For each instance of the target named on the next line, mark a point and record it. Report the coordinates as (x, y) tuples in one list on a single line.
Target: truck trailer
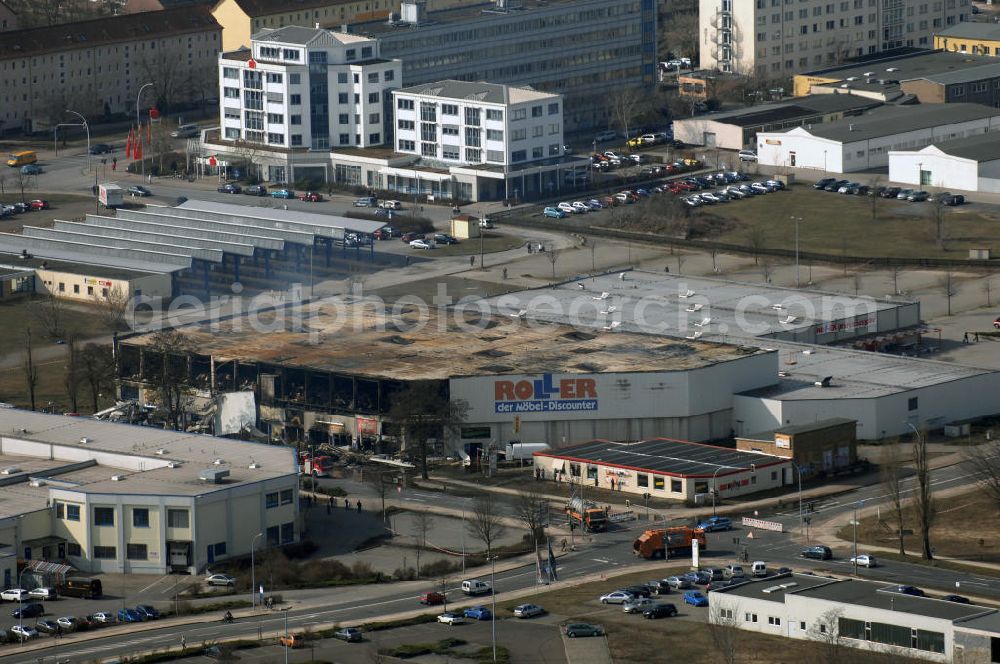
[(650, 545)]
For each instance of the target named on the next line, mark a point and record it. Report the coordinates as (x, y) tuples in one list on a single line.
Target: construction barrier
[(618, 517), (763, 525)]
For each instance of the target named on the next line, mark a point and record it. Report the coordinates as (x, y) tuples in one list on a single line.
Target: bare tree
[(986, 289), (382, 481), (891, 471), (422, 524), (923, 498), (983, 463), (97, 368), (896, 269), (757, 239), (531, 508), (553, 256), (949, 287), (169, 379), (826, 632), (486, 525), (766, 267), (938, 218), (73, 377), (423, 411), (876, 199), (625, 104), (114, 308), (50, 313), (724, 630), (680, 35), (29, 366)]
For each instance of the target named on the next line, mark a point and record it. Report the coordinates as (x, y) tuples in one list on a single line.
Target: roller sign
[(545, 395)]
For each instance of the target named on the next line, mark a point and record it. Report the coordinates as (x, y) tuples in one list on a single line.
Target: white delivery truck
[(110, 195)]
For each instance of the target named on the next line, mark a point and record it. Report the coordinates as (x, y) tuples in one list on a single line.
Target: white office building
[(774, 39), (303, 90), (478, 123)]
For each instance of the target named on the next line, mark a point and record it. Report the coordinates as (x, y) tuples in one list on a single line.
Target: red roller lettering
[(524, 390), (586, 388), (567, 388), (504, 390)]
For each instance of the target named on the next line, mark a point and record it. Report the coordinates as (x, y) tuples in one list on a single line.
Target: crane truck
[(650, 544), (590, 516)]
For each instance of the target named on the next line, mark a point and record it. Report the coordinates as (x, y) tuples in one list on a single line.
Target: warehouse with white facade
[(859, 614), (105, 497), (864, 142), (965, 164)]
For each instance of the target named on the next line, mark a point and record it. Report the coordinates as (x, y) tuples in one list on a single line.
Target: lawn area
[(958, 531), (50, 388), (840, 224), (686, 638), (492, 242), (18, 314)]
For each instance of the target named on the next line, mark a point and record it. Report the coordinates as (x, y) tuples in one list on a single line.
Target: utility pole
[(797, 220)]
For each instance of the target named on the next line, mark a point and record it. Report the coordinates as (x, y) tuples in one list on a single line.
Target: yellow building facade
[(974, 38)]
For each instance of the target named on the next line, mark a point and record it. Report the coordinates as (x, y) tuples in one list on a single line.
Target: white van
[(476, 587), (185, 131), (758, 569)]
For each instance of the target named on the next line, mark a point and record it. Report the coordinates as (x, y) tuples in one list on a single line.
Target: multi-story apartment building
[(773, 39), (584, 50), (98, 67), (8, 19), (478, 123), (300, 89)]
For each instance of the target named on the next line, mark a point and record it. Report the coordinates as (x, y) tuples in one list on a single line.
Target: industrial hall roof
[(665, 456), (353, 335), (980, 148), (893, 120), (106, 30)]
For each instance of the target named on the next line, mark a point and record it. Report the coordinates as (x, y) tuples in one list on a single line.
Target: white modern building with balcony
[(299, 93)]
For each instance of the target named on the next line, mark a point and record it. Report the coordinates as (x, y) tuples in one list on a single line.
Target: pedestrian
[(666, 269), (975, 337), (330, 502), (59, 632), (965, 338), (149, 179), (472, 261), (183, 642), (407, 260), (359, 506), (347, 503), (505, 278), (529, 247)]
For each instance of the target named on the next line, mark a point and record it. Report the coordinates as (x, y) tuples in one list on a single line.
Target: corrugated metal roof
[(892, 120)]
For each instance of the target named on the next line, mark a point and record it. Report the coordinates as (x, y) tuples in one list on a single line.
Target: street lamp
[(796, 220), (20, 604), (253, 572), (715, 488), (138, 96), (464, 501), (799, 471), (493, 621), (855, 522), (87, 128)]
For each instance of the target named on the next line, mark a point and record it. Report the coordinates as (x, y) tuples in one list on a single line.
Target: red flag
[(137, 151), (149, 133), (128, 144)]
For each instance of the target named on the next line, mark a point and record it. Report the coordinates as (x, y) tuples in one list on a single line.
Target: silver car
[(678, 582), (616, 597), (637, 605), (528, 611)]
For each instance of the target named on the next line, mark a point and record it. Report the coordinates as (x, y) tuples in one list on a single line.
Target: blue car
[(283, 193), (31, 169), (478, 613), (909, 590), (553, 212), (699, 577), (695, 598), (714, 523), (129, 616), (147, 612)]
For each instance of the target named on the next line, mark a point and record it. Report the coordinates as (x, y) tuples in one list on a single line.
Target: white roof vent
[(824, 382), (254, 465), (174, 464), (161, 451), (869, 73), (892, 69), (851, 78), (117, 478), (36, 483), (218, 462), (213, 475), (12, 470), (85, 440)]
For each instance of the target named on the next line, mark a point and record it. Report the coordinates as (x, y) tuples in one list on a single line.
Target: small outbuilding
[(816, 448), (966, 164), (665, 468)]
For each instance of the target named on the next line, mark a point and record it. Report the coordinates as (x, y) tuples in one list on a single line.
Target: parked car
[(904, 194), (431, 598), (256, 190), (938, 196), (407, 238), (774, 185), (717, 573), (451, 618), (43, 593), (918, 196), (574, 630), (734, 572), (890, 192), (100, 148), (444, 238), (21, 207), (864, 560), (220, 580), (660, 610), (637, 605), (283, 193), (567, 208), (616, 597), (148, 612), (817, 553), (554, 213), (47, 626), (678, 582), (385, 233), (695, 598), (24, 632), (658, 587), (31, 169), (367, 201), (104, 617), (846, 187), (70, 623), (14, 595), (230, 188), (747, 155), (581, 207), (699, 577), (835, 185), (958, 599), (129, 616), (637, 590), (716, 523), (528, 611), (478, 613), (32, 610), (956, 199), (823, 183), (311, 197), (420, 243), (349, 634), (908, 590), (760, 188), (595, 204)]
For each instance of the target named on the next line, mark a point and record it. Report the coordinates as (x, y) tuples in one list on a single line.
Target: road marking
[(146, 589), (415, 500)]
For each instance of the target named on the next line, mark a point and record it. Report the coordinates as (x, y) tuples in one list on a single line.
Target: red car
[(432, 598), (410, 237), (311, 197), (39, 204), (385, 233)]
